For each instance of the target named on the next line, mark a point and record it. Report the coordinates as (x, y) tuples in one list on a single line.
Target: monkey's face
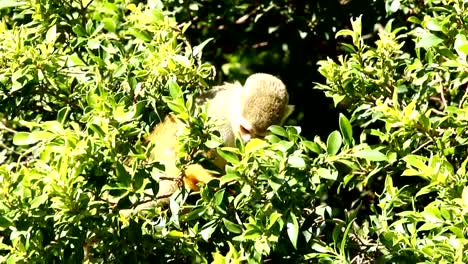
[(263, 102), (247, 131), (247, 111)]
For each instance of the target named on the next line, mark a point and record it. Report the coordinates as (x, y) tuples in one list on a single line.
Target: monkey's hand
[(194, 174)]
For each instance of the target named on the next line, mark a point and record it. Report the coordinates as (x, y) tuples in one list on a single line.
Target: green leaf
[(273, 219), (5, 222), (356, 24), (232, 227), (22, 138), (345, 235), (284, 145), (62, 114), (337, 98), (293, 229), (346, 130), (389, 186), (122, 115), (10, 3), (409, 111), (394, 6), (141, 35), (175, 234), (121, 69), (321, 248), (255, 144), (228, 156), (94, 44), (433, 24), (197, 50), (219, 197), (312, 146), (109, 24), (414, 20), (327, 174), (344, 32), (252, 234), (461, 46), (465, 196), (370, 154), (212, 143), (230, 176), (16, 86), (176, 107), (416, 161), (79, 30), (278, 130), (296, 162), (74, 60), (334, 143), (53, 126), (38, 201), (182, 60), (428, 40), (195, 214), (51, 34), (174, 89)]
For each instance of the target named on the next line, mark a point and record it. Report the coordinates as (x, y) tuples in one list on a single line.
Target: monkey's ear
[(287, 112)]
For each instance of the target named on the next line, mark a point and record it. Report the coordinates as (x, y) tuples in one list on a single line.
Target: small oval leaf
[(232, 227), (334, 142), (346, 129), (370, 154), (293, 229), (296, 162), (312, 146), (228, 156), (23, 138), (278, 130)]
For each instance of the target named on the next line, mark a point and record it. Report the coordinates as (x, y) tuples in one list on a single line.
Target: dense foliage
[(285, 38), (83, 82)]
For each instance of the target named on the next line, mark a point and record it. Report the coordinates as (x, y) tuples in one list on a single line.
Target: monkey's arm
[(194, 174), (165, 136)]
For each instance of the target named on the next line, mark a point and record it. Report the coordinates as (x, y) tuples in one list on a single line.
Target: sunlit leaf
[(428, 40), (292, 229), (370, 154), (334, 143), (346, 130)]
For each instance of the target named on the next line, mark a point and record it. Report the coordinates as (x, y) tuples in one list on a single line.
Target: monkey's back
[(223, 109)]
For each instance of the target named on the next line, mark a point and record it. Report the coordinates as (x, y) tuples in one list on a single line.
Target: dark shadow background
[(283, 38)]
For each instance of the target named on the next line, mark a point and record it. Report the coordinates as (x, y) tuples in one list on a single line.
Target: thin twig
[(2, 126), (422, 146), (460, 105)]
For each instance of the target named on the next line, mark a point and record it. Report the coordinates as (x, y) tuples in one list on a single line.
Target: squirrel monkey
[(246, 111)]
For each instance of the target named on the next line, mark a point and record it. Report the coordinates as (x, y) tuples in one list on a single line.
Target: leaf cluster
[(407, 93)]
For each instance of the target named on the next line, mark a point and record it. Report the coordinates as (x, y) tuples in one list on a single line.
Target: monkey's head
[(263, 102)]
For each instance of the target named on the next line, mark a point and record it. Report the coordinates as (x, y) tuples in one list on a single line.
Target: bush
[(412, 105), (83, 83)]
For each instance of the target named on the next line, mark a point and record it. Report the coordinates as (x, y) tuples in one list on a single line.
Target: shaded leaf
[(232, 227)]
